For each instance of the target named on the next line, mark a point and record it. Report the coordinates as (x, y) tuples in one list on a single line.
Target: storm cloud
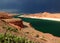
[(30, 5)]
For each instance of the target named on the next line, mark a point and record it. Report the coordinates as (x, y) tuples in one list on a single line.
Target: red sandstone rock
[(16, 22)]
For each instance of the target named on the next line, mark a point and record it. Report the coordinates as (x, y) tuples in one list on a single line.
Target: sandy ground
[(32, 34)]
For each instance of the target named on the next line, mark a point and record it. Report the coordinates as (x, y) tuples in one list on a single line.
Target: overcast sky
[(31, 5)]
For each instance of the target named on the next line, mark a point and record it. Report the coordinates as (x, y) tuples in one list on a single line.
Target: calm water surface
[(46, 26)]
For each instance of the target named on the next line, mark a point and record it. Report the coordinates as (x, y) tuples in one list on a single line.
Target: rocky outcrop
[(8, 18), (16, 22)]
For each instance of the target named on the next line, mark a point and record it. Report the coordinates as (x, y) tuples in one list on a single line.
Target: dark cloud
[(31, 5)]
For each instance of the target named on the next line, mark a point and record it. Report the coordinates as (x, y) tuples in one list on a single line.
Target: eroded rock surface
[(16, 22)]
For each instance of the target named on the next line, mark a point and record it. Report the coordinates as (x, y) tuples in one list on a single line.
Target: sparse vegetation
[(9, 38), (12, 29)]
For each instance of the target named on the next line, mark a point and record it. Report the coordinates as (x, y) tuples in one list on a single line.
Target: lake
[(46, 26)]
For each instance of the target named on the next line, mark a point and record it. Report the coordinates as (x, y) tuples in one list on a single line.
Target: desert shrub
[(9, 38)]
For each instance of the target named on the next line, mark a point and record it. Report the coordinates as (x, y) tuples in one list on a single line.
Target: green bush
[(9, 38)]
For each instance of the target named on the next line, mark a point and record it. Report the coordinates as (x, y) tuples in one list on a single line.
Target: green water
[(46, 26)]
